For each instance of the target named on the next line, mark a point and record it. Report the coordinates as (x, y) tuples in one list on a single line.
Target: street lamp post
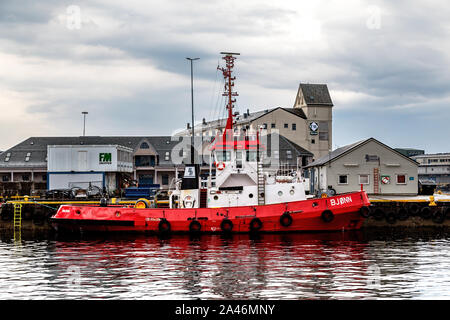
[(84, 113), (192, 105)]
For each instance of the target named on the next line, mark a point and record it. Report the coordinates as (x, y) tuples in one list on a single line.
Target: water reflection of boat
[(237, 266)]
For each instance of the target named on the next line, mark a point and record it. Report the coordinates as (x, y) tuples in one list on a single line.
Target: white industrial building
[(380, 170), (71, 166)]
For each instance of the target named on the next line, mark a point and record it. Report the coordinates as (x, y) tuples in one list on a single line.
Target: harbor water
[(382, 264)]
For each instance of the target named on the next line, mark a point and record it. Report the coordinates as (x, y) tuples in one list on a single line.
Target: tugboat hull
[(338, 213)]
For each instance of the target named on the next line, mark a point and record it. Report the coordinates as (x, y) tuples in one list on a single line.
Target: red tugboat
[(244, 198)]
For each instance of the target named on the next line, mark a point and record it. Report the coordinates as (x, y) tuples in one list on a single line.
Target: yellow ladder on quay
[(17, 216)]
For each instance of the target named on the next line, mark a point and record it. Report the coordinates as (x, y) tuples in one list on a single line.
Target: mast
[(229, 58)]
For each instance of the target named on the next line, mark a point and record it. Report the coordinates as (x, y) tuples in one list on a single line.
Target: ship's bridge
[(236, 160)]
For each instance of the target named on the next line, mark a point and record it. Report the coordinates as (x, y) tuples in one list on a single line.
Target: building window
[(27, 158), (286, 125), (144, 145), (294, 126), (167, 156), (8, 155), (264, 125), (25, 177), (165, 179), (144, 161), (401, 179), (272, 125), (313, 141), (44, 177), (288, 154), (363, 179), (5, 178), (323, 130), (343, 179)]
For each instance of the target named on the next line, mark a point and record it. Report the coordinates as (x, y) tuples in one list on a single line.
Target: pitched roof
[(316, 94), (348, 148)]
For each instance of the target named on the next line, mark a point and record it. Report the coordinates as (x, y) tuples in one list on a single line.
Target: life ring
[(439, 216), (391, 217), (189, 201), (164, 226), (364, 211), (402, 214), (195, 226), (426, 213), (226, 225), (378, 214), (220, 165), (327, 216), (255, 224), (286, 220)]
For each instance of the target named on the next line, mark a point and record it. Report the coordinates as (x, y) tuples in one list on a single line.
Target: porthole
[(292, 192), (250, 195), (216, 197), (280, 193)]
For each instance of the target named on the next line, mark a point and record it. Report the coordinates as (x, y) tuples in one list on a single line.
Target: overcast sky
[(386, 64)]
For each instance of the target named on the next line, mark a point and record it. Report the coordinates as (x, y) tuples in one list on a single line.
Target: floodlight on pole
[(84, 113)]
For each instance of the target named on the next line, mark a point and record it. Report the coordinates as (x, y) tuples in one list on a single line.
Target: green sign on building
[(105, 158)]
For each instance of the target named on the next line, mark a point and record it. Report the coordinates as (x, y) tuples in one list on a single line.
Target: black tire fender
[(286, 220), (364, 211), (256, 224), (391, 217), (327, 216), (226, 225), (164, 226), (426, 213), (195, 226), (438, 216), (402, 214)]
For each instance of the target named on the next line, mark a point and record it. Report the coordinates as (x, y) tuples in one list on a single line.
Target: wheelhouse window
[(286, 125), (272, 125), (223, 156), (239, 159), (343, 179), (364, 179), (401, 179), (251, 156)]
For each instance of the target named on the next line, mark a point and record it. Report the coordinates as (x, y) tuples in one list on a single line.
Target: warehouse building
[(87, 166), (380, 169), (435, 167)]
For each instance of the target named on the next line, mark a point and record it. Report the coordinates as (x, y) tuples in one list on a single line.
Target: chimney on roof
[(188, 125), (248, 112), (204, 121)]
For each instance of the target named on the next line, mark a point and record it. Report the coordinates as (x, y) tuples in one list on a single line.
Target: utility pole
[(84, 113), (192, 105)]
